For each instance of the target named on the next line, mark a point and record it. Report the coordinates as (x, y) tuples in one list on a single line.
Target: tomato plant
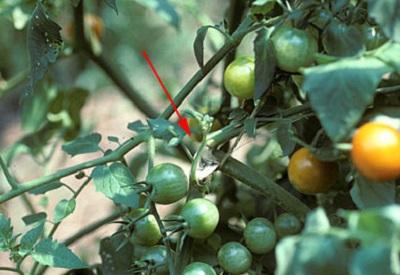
[(199, 137)]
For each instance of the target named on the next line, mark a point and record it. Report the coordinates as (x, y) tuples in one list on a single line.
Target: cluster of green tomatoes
[(198, 219)]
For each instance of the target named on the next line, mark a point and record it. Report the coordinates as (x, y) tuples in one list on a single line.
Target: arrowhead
[(183, 123)]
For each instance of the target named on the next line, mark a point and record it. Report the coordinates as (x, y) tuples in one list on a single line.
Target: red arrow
[(182, 121)]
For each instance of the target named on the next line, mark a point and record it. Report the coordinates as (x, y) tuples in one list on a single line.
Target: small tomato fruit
[(198, 268), (294, 48), (376, 151), (234, 258), (310, 175), (259, 236), (239, 77), (201, 218), (168, 183)]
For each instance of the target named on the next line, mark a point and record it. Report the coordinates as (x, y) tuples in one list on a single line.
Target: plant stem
[(42, 268), (114, 156), (170, 258), (243, 29), (113, 73), (264, 185), (10, 179), (11, 269), (93, 227)]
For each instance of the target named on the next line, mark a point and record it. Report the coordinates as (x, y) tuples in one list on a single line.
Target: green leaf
[(198, 44), (389, 53), (387, 15), (372, 260), (6, 233), (340, 39), (116, 254), (63, 209), (164, 9), (374, 225), (83, 145), (317, 221), (40, 190), (284, 135), (312, 254), (51, 253), (164, 129), (34, 108), (112, 4), (30, 238), (367, 194), (340, 92), (44, 44), (250, 126), (137, 126), (113, 139), (265, 63), (33, 218), (116, 182)]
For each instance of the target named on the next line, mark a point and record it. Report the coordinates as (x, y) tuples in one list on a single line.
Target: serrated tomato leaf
[(341, 40), (33, 218), (83, 145), (6, 232), (44, 44), (198, 44), (340, 92), (387, 15), (63, 209), (367, 194), (30, 238), (265, 63), (116, 182), (50, 252)]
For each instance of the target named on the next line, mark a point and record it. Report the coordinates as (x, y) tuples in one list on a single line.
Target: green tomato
[(146, 230), (197, 268), (294, 48), (169, 183), (156, 256), (239, 77), (201, 218), (287, 224), (373, 37), (260, 236), (234, 258)]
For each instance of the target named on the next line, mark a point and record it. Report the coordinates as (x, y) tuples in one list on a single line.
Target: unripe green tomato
[(260, 236), (146, 230), (198, 268), (239, 77), (287, 224), (169, 183), (201, 218), (234, 258), (294, 48), (157, 257), (373, 37)]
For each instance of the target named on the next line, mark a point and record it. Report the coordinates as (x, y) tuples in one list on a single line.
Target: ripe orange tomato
[(376, 151), (310, 175)]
